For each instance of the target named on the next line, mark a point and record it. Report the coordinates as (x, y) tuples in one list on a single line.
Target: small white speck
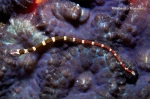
[(102, 45), (34, 49), (43, 42), (115, 54), (93, 43), (121, 63), (133, 73), (26, 51), (74, 39), (83, 41), (65, 38), (53, 39), (3, 68), (110, 49), (126, 68)]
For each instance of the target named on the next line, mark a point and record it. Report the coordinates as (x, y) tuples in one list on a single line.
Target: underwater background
[(69, 70)]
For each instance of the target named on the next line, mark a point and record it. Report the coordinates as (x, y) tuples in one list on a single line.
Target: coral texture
[(69, 70), (11, 6), (69, 10)]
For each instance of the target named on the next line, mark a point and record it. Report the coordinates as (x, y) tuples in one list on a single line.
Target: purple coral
[(69, 10), (84, 81), (65, 70)]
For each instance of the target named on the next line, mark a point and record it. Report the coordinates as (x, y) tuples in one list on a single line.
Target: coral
[(84, 81), (67, 70), (100, 2), (62, 76), (6, 6), (11, 6), (69, 10), (13, 67), (60, 9)]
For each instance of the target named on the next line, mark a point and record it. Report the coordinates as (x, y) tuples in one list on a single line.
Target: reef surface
[(67, 70)]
